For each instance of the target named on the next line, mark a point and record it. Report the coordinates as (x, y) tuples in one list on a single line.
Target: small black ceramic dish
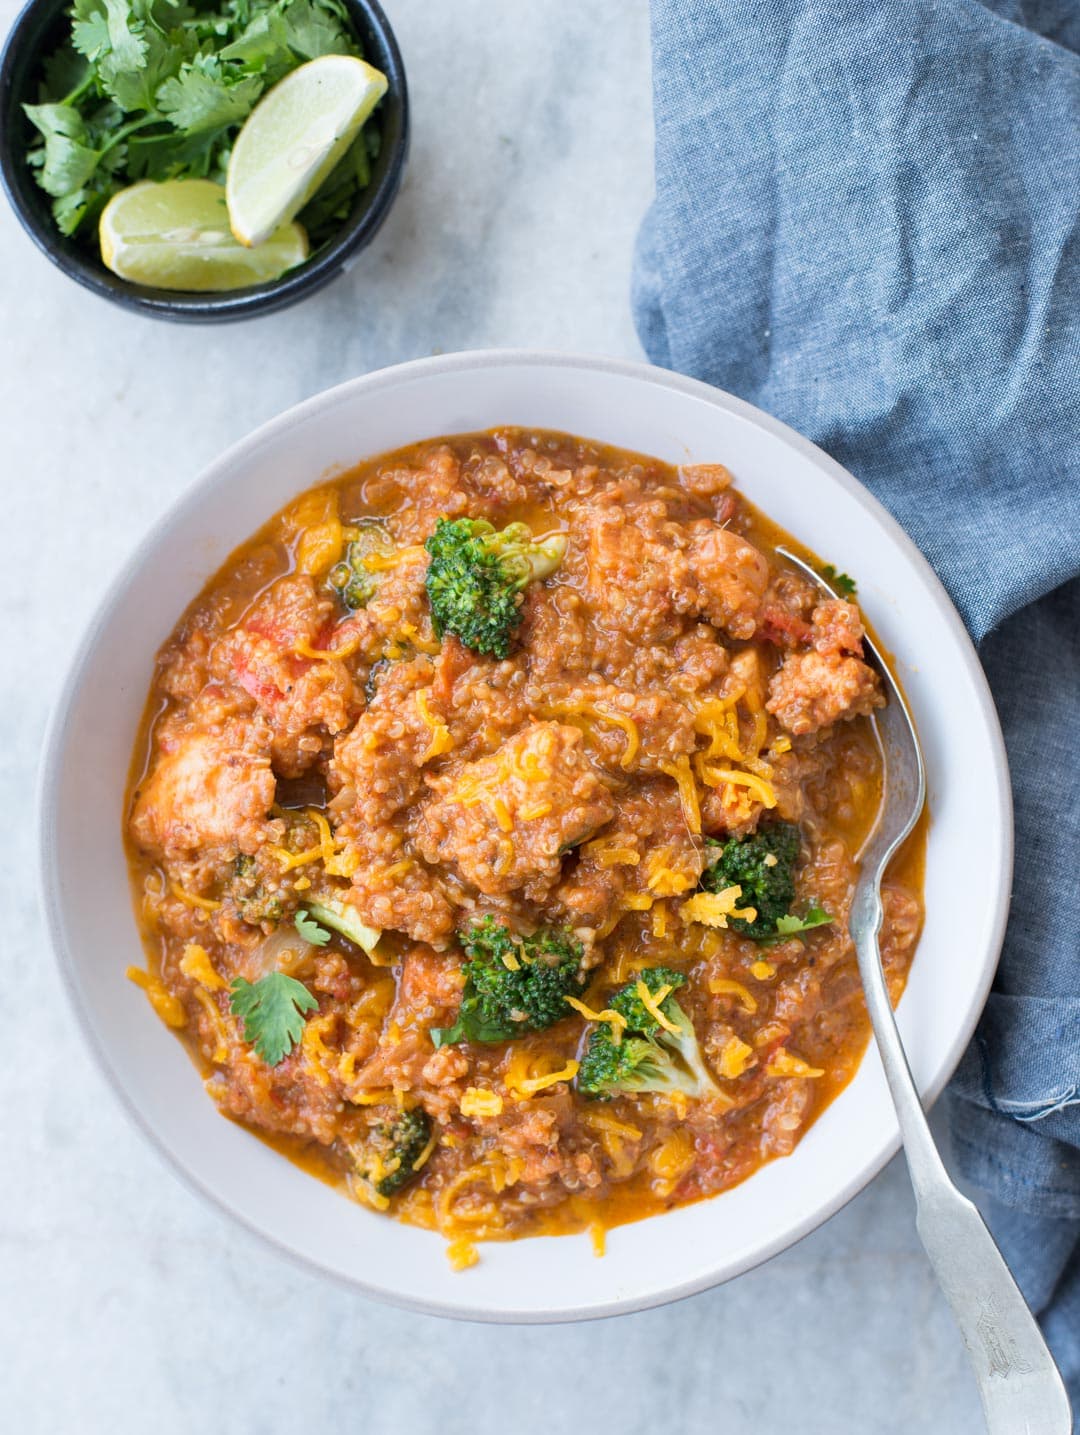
[(41, 27)]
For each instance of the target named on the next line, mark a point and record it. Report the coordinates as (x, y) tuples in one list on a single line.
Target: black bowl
[(42, 26)]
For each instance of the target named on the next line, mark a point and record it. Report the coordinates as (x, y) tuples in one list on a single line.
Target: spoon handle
[(1021, 1389)]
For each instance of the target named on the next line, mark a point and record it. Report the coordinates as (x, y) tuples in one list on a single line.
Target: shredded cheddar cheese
[(672, 1159), (381, 562), (679, 770), (757, 786), (651, 1002), (762, 971), (441, 742), (303, 649), (712, 909), (196, 964), (604, 714), (613, 1018), (602, 1121), (786, 1063), (461, 1254), (319, 1056), (169, 1008), (335, 862), (529, 1086), (409, 633), (217, 1021), (478, 1102), (736, 1056), (725, 986), (321, 538), (638, 902), (189, 899)]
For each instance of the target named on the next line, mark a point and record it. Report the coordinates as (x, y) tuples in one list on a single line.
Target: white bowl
[(84, 875)]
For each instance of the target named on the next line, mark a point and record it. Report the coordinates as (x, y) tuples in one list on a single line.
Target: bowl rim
[(180, 306), (49, 884)]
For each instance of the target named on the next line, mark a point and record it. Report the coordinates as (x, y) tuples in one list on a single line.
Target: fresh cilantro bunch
[(158, 89)]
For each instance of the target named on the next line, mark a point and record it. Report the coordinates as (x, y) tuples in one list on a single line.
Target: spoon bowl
[(1020, 1386)]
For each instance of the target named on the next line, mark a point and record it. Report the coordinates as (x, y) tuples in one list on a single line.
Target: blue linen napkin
[(866, 222)]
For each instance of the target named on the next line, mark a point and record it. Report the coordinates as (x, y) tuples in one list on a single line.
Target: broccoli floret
[(764, 867), (646, 1056), (394, 1149), (351, 579), (256, 906), (513, 984), (476, 576), (343, 918)]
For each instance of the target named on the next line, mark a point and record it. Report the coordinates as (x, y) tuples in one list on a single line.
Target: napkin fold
[(866, 222)]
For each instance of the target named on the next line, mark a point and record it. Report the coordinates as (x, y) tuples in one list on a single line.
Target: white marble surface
[(125, 1304)]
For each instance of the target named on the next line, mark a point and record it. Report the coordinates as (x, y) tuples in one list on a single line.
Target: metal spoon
[(1021, 1389)]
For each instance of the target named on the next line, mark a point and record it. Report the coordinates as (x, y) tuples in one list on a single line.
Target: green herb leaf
[(845, 586), (272, 1010), (313, 30), (69, 160), (792, 926), (310, 930), (200, 98)]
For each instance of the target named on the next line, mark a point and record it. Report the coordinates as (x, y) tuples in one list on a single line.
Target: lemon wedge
[(293, 138), (176, 235)]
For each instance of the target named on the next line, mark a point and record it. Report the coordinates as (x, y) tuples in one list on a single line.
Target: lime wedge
[(175, 235), (293, 138)]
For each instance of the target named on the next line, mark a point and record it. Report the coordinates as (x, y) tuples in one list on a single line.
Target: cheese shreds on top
[(478, 1102), (531, 1085), (712, 909), (217, 1021), (169, 1008), (725, 986), (196, 964), (786, 1063), (652, 1001), (735, 1058), (303, 649), (679, 770), (758, 786), (461, 1254), (584, 709), (613, 1018), (189, 899), (441, 742)]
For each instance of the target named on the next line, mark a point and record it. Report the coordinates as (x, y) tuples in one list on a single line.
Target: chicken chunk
[(506, 820), (729, 578), (836, 627), (302, 698), (206, 789), (813, 690)]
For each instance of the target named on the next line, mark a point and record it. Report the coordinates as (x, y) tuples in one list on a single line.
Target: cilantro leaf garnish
[(272, 1010), (156, 89), (310, 930), (793, 926), (845, 586)]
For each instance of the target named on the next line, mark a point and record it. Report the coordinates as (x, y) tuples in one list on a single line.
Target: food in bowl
[(143, 112), (493, 827)]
